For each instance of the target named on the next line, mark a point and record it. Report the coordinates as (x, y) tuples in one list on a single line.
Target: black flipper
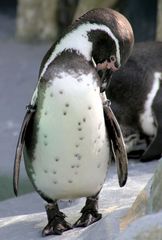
[(116, 143), (20, 145)]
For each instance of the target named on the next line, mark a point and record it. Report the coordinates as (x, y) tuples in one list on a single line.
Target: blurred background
[(27, 29)]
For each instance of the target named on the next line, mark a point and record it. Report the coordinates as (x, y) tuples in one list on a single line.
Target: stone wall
[(85, 5), (159, 21), (36, 19), (41, 19), (46, 19)]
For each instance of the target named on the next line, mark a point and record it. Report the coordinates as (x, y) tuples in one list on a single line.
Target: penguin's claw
[(89, 213), (56, 221), (87, 219), (56, 228)]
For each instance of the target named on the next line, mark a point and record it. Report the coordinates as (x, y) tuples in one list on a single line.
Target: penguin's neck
[(79, 41)]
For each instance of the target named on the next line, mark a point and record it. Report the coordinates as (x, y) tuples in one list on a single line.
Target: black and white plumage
[(135, 92), (67, 148)]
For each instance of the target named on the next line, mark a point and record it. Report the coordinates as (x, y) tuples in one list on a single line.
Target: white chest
[(72, 151)]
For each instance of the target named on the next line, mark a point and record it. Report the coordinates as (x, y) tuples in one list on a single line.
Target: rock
[(148, 227), (154, 203), (159, 21), (65, 13), (149, 199), (139, 207), (149, 205), (86, 5), (45, 20), (36, 19)]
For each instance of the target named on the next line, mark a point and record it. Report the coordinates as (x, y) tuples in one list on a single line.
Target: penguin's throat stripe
[(82, 45)]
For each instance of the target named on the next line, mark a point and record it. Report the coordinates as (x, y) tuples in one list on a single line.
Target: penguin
[(69, 133), (135, 92)]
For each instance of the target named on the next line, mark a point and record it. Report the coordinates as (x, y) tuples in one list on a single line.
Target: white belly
[(72, 151)]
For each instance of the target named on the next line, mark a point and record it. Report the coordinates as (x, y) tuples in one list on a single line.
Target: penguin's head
[(112, 42), (102, 36)]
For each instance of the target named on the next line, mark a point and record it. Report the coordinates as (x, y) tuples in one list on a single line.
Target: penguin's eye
[(112, 58)]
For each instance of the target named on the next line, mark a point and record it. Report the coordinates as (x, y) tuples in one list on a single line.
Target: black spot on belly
[(78, 156), (51, 94), (45, 143), (72, 166), (67, 105), (57, 159), (70, 181), (79, 123), (84, 119), (54, 172), (81, 138), (77, 145), (55, 182), (79, 129), (64, 113), (61, 91), (45, 135), (45, 171), (89, 107), (99, 165), (45, 113)]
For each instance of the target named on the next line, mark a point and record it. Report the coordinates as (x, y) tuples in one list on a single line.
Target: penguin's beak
[(105, 76), (105, 70)]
